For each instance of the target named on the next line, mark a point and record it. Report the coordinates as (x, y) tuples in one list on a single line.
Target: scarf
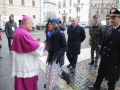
[(50, 33)]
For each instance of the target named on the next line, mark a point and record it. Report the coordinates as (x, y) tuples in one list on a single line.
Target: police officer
[(104, 29), (110, 54), (94, 32)]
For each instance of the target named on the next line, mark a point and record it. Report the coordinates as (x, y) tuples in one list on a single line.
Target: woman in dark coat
[(56, 46), (55, 42)]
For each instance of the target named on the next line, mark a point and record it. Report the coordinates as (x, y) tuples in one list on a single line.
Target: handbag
[(53, 73)]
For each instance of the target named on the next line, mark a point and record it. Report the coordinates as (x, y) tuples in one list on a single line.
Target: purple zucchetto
[(26, 17)]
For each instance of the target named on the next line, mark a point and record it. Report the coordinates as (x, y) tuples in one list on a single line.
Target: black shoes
[(96, 64), (67, 77), (0, 57), (69, 66), (45, 85), (93, 88), (0, 46), (72, 70), (91, 63)]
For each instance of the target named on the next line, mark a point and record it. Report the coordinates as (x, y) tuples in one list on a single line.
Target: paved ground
[(85, 76)]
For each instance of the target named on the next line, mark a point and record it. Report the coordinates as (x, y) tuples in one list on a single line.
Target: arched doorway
[(64, 19)]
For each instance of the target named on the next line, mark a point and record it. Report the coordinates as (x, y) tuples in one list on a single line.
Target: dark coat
[(56, 45), (102, 33), (110, 60), (62, 27), (8, 28), (76, 35)]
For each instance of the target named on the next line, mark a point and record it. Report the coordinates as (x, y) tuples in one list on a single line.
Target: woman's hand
[(37, 39), (44, 46)]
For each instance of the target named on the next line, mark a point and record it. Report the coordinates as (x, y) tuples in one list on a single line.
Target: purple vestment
[(23, 41)]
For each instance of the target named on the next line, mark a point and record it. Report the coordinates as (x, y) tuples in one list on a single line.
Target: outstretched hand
[(37, 39)]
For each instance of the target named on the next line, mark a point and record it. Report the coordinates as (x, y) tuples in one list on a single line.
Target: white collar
[(96, 23), (116, 26)]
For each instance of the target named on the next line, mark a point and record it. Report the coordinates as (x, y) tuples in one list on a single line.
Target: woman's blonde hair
[(54, 25)]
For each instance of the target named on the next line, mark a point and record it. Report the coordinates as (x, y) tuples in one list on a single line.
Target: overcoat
[(110, 60), (56, 45), (76, 36), (8, 28)]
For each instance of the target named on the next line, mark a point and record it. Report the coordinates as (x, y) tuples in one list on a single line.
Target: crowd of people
[(104, 40)]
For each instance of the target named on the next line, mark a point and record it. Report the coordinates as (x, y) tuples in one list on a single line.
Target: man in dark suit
[(10, 28), (76, 35), (109, 67)]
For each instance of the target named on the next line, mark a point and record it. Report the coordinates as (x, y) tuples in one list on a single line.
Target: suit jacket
[(8, 28), (76, 35), (110, 60), (102, 33)]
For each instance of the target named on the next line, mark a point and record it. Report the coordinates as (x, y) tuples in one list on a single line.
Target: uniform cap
[(114, 12), (96, 16)]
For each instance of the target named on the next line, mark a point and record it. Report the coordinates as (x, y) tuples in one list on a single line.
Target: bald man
[(76, 35)]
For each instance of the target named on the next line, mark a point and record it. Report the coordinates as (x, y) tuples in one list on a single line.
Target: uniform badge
[(113, 10)]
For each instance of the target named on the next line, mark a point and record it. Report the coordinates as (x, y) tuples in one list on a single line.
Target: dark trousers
[(9, 42), (94, 47), (99, 79), (72, 59)]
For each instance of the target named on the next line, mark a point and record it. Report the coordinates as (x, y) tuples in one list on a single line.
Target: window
[(69, 10), (22, 2), (59, 5), (10, 1), (69, 19), (33, 2), (34, 17), (59, 12), (12, 15), (64, 3), (70, 3)]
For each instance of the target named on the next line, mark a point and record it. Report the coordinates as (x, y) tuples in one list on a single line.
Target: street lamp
[(78, 7)]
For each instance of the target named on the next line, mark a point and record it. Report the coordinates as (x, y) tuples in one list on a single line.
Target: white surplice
[(27, 64)]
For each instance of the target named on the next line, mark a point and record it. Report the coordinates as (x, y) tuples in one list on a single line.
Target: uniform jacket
[(56, 45), (76, 35), (94, 32), (102, 33), (8, 28), (110, 60)]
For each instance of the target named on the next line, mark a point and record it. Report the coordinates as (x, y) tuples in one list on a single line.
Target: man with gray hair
[(10, 28), (76, 35)]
